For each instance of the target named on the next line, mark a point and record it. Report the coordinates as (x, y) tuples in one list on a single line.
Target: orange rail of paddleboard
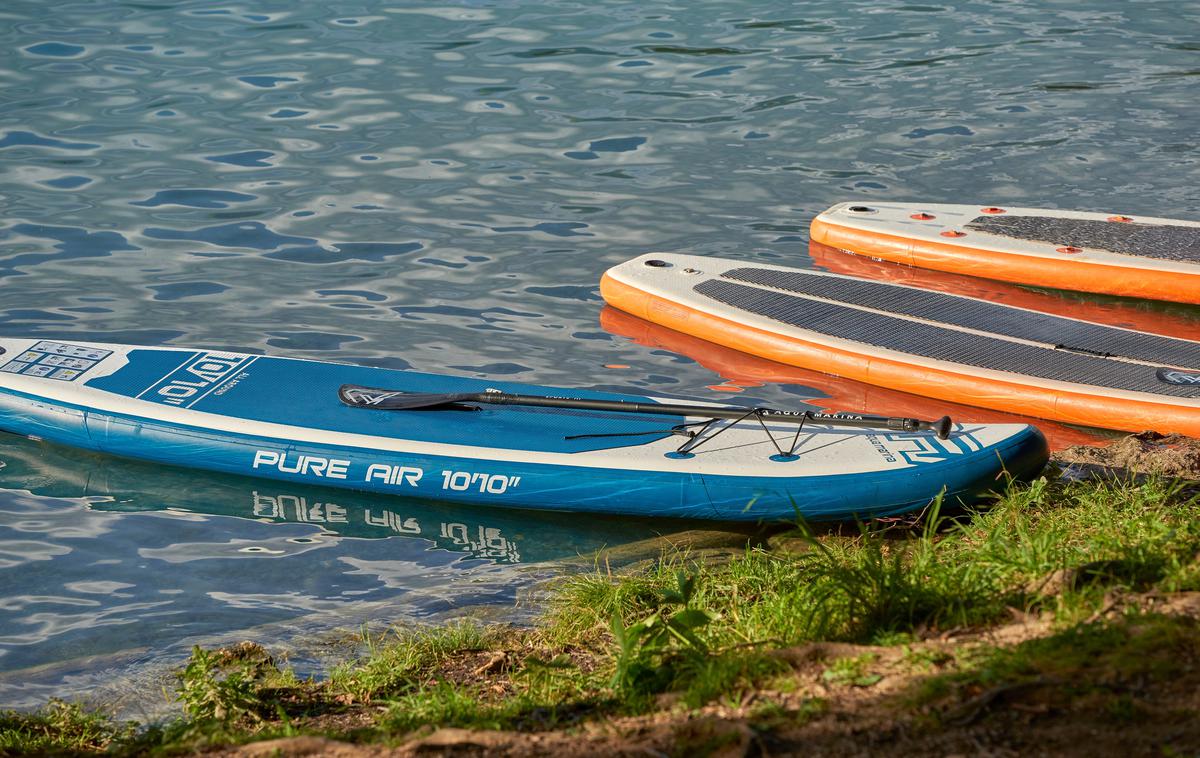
[(745, 371), (1067, 406), (1140, 315), (1068, 273)]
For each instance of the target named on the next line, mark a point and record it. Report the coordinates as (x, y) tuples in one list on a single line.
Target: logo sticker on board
[(55, 360), (197, 378), (1175, 376), (926, 448)]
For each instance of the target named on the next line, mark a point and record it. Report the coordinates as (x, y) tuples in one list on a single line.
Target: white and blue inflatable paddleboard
[(283, 419)]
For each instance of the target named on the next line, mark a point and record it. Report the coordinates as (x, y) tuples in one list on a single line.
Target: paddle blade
[(391, 400)]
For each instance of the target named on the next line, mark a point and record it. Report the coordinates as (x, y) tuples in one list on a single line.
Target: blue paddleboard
[(282, 418)]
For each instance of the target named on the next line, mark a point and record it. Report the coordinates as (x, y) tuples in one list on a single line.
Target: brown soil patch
[(1147, 453)]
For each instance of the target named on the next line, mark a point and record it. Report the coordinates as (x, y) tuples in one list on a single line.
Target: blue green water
[(440, 187)]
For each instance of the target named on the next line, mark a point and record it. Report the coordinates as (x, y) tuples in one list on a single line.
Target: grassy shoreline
[(1065, 607)]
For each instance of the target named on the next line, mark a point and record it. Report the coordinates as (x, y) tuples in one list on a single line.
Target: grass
[(442, 704), (702, 633), (60, 727), (852, 670), (876, 583), (398, 660)]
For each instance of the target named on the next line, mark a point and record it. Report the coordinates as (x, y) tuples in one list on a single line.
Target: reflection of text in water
[(479, 541)]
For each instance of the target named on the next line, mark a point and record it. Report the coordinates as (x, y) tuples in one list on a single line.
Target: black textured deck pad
[(938, 342), (1167, 242), (981, 315)]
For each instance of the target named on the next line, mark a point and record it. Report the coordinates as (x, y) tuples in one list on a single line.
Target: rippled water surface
[(440, 187)]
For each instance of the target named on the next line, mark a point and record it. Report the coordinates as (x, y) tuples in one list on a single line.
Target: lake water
[(440, 187)]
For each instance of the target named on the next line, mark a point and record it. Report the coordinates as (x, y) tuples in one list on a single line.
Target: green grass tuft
[(444, 705), (397, 661), (60, 727)]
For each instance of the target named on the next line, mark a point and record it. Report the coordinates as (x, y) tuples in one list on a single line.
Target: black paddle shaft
[(394, 400)]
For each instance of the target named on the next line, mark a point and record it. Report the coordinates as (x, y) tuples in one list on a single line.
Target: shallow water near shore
[(440, 187), (196, 557)]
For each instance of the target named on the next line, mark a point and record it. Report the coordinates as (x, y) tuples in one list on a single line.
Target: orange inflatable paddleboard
[(1106, 253), (950, 347)]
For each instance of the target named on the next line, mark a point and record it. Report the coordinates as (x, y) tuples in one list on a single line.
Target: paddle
[(394, 400)]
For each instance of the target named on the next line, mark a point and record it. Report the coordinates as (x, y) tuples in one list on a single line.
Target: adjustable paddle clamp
[(942, 427)]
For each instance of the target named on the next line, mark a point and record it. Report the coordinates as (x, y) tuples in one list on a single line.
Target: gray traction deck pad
[(1166, 242), (940, 343), (972, 313)]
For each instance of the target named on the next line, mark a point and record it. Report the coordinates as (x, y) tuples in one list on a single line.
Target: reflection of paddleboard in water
[(492, 443), (119, 485), (744, 371), (949, 347), (1155, 258)]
